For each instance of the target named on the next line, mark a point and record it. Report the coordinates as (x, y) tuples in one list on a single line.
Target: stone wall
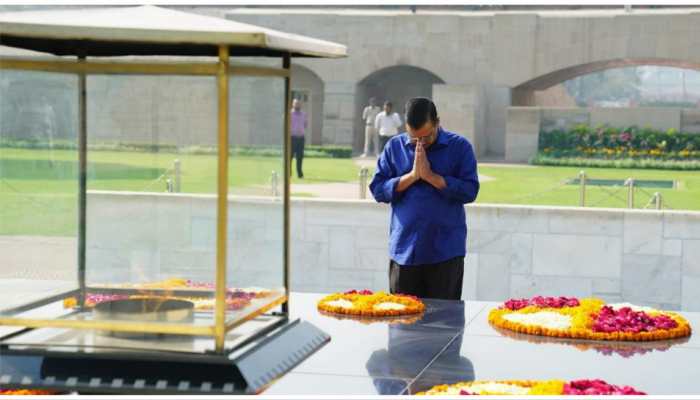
[(462, 110), (524, 124), (646, 257), (522, 51), (522, 133)]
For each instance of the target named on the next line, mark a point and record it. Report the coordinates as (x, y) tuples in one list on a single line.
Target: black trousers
[(436, 281), (298, 153)]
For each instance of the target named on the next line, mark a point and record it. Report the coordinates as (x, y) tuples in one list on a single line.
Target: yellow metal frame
[(137, 68), (222, 200), (222, 71)]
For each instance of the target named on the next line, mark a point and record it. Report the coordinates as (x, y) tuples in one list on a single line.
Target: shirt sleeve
[(464, 186), (364, 113), (377, 118), (385, 180)]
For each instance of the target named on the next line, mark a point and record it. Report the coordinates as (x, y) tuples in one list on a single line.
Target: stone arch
[(397, 84), (523, 94), (308, 83)]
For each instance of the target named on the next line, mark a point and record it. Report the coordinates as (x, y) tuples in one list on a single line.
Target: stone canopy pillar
[(461, 110)]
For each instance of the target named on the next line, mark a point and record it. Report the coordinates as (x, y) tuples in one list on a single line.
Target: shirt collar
[(440, 141)]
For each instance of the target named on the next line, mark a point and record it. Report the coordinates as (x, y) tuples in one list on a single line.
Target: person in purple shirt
[(427, 174), (299, 123)]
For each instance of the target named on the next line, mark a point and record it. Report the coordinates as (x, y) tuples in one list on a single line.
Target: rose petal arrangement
[(369, 304), (236, 299), (588, 318), (585, 387)]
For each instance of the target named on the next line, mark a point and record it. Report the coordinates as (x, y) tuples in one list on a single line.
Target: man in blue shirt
[(427, 174)]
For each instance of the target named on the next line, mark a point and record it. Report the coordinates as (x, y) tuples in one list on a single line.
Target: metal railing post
[(658, 201), (582, 188), (274, 183), (177, 187), (630, 192), (364, 174)]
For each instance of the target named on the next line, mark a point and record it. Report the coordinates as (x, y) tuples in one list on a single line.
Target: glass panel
[(151, 200), (38, 187), (256, 168), (151, 216), (151, 223)]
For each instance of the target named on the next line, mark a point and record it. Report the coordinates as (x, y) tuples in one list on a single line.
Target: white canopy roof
[(149, 30)]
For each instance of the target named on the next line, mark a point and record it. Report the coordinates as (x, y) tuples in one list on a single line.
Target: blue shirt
[(427, 225)]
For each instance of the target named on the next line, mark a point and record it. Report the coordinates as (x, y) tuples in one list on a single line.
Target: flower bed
[(677, 150)]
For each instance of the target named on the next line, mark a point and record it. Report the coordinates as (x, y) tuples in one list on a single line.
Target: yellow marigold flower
[(379, 304)]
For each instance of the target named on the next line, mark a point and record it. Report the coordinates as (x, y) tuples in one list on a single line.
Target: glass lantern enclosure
[(154, 185)]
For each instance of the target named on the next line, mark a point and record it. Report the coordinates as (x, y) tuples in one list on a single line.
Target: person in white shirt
[(369, 115), (387, 123)]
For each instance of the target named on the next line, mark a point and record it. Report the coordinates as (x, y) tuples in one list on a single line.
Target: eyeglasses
[(425, 135)]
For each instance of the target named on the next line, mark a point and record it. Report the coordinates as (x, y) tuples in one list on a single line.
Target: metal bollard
[(630, 192), (169, 185), (364, 174), (658, 201), (178, 176), (274, 182), (582, 190)]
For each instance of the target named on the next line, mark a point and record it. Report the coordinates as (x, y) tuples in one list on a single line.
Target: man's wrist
[(437, 181), (431, 177)]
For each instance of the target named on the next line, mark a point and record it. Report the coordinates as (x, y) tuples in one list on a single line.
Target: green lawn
[(543, 185), (38, 196)]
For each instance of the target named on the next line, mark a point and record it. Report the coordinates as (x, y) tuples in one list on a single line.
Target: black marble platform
[(454, 342)]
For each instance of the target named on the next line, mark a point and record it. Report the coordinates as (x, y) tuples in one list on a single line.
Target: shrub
[(647, 163), (620, 143), (312, 151)]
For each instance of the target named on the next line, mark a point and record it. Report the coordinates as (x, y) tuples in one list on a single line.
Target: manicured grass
[(38, 196), (544, 186)]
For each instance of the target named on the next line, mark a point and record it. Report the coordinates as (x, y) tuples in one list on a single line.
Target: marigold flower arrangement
[(390, 320), (588, 387), (24, 392), (366, 303), (588, 318)]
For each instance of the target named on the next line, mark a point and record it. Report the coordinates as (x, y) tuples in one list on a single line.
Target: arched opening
[(396, 84), (547, 87), (308, 87)]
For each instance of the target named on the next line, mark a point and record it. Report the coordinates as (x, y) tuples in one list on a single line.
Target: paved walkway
[(347, 190)]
